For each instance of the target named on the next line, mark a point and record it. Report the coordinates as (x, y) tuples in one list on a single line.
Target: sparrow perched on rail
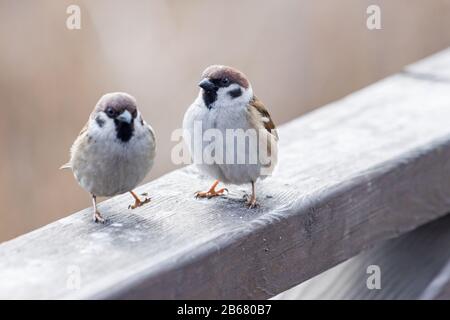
[(114, 151), (226, 102)]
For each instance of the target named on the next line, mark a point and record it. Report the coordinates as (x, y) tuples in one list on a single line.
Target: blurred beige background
[(298, 54)]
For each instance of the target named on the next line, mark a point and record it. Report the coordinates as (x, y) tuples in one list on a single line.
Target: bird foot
[(138, 203), (97, 217), (210, 193), (251, 202)]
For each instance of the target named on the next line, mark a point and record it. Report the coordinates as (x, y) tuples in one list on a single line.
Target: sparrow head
[(116, 110), (223, 86)]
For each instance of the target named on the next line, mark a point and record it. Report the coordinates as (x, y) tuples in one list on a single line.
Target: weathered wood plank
[(412, 266), (364, 169), (439, 287), (434, 68)]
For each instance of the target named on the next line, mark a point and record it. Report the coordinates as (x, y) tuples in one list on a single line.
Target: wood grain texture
[(367, 168), (439, 286), (412, 266)]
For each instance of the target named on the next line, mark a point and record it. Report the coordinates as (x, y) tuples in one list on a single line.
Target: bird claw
[(98, 217), (251, 202), (138, 203), (252, 205), (210, 194)]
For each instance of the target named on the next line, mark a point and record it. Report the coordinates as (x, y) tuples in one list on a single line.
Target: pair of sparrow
[(116, 149)]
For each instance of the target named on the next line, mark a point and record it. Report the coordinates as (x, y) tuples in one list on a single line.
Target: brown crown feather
[(119, 102), (234, 75)]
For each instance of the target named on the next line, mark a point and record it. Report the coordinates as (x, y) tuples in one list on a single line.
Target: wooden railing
[(368, 168), (415, 265)]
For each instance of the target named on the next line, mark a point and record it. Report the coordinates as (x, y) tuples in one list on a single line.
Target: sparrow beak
[(125, 117), (207, 85)]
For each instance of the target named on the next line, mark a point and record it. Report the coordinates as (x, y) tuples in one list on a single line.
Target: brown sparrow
[(227, 109), (114, 151)]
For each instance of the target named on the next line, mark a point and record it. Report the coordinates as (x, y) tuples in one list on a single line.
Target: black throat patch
[(209, 97), (124, 130)]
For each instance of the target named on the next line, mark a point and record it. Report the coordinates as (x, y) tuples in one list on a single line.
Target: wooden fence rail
[(412, 266), (367, 168)]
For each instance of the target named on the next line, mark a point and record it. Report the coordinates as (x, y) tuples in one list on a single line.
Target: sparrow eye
[(224, 81), (110, 112)]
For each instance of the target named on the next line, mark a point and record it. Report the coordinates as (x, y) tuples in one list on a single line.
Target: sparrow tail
[(65, 166)]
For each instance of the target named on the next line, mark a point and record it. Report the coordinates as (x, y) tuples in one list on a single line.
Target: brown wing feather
[(259, 106)]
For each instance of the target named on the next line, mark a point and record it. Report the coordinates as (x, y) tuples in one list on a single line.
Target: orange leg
[(212, 192), (137, 202)]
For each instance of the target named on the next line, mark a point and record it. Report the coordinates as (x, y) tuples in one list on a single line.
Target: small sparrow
[(226, 101), (114, 151)]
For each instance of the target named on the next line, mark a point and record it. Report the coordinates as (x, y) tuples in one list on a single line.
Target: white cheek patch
[(139, 119), (140, 126), (224, 97), (231, 88), (100, 121), (102, 127)]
